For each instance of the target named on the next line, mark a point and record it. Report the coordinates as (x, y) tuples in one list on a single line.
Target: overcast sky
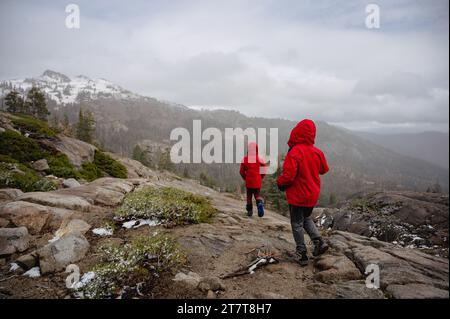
[(289, 59)]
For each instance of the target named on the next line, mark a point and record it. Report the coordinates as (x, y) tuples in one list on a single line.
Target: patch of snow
[(103, 231), (85, 279), (14, 267), (140, 222), (33, 272)]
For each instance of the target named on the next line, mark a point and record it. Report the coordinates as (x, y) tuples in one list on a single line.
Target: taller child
[(300, 179), (252, 171)]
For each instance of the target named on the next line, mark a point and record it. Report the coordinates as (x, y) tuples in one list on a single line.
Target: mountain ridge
[(357, 163)]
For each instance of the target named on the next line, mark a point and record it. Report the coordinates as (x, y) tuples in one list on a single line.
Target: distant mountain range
[(124, 119), (429, 146)]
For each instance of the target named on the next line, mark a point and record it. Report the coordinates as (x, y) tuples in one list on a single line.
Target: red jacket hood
[(252, 149), (303, 133)]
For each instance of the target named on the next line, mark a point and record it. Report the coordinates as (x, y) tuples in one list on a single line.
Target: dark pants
[(301, 221), (253, 192)]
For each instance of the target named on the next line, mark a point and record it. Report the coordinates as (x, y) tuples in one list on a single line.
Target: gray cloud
[(285, 59)]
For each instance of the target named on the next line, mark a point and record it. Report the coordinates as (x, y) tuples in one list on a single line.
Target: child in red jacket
[(252, 171), (300, 179)]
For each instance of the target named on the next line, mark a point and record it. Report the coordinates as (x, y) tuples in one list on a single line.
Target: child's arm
[(263, 168), (242, 170), (287, 177), (323, 164)]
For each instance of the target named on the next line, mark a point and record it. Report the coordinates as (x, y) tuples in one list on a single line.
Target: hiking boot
[(319, 247), (302, 258), (260, 206), (249, 209)]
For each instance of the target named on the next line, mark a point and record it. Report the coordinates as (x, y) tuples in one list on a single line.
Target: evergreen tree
[(66, 127), (165, 162), (35, 104), (85, 126), (137, 153), (14, 102), (54, 123)]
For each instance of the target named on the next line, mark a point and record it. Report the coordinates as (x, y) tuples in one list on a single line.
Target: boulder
[(73, 227), (32, 216), (77, 151), (57, 255), (10, 193), (135, 169), (13, 240), (70, 183), (191, 279), (55, 199), (335, 267), (104, 191), (40, 165), (211, 283)]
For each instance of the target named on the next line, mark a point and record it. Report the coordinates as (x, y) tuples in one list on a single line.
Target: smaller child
[(252, 171)]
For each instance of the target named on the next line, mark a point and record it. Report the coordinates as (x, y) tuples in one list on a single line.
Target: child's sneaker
[(320, 247), (260, 206), (302, 258), (249, 209)]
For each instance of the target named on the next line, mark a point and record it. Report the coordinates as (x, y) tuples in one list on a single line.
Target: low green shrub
[(131, 269), (110, 166), (7, 159), (23, 178), (171, 206), (89, 171), (19, 147), (32, 125), (60, 166)]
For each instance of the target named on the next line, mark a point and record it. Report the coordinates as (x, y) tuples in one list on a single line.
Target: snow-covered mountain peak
[(66, 90)]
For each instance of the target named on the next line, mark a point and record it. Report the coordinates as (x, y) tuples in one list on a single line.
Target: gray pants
[(300, 221)]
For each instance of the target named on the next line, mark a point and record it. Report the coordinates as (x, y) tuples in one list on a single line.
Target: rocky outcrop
[(35, 217), (13, 240), (10, 193), (77, 151), (135, 168), (104, 191), (406, 218), (398, 266), (32, 216), (55, 199)]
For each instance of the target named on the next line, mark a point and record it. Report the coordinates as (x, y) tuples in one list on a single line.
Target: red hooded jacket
[(302, 166), (252, 167)]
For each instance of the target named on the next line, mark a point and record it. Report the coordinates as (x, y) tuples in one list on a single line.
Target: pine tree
[(67, 129), (137, 153), (35, 104), (14, 102), (55, 122), (165, 162), (85, 126)]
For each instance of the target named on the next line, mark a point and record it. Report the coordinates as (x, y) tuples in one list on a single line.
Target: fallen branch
[(263, 258)]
